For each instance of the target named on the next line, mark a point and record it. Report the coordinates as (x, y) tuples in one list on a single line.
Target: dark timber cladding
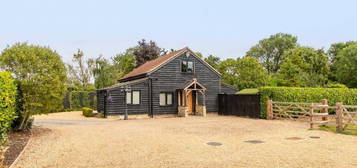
[(169, 78), (239, 105), (165, 77)]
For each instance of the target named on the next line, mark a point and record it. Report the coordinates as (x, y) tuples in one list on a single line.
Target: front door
[(191, 102)]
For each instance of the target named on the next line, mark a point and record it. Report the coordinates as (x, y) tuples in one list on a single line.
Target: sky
[(224, 28)]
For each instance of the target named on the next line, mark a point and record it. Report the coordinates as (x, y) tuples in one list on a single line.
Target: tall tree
[(39, 72), (333, 57), (104, 73), (147, 51), (304, 67), (243, 73), (83, 69), (124, 62), (213, 61), (270, 51), (346, 66)]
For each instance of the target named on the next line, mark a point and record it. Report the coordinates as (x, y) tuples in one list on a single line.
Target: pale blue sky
[(224, 28)]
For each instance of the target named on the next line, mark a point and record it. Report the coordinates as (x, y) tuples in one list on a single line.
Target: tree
[(82, 72), (333, 57), (270, 51), (346, 66), (213, 61), (124, 63), (304, 67), (104, 73), (39, 72), (147, 51), (243, 73)]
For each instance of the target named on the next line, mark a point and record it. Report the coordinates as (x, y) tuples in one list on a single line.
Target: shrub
[(293, 94), (335, 85), (7, 103), (75, 100), (87, 112)]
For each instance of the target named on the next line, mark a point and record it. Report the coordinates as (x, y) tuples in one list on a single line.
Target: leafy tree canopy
[(40, 73), (346, 66), (304, 67), (243, 73), (270, 51), (213, 61)]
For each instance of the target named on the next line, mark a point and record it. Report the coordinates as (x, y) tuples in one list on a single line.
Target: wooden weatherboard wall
[(169, 78), (166, 78)]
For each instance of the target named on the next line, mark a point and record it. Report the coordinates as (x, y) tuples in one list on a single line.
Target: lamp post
[(126, 89)]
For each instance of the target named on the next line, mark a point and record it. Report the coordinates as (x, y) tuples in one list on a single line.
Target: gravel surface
[(182, 142)]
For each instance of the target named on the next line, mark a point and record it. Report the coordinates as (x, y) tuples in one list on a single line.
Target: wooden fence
[(341, 116)]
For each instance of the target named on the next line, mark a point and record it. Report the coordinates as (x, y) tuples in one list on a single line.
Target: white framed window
[(166, 99), (187, 66), (133, 97), (136, 97)]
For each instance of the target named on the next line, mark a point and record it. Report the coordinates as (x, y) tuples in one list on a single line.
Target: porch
[(192, 99)]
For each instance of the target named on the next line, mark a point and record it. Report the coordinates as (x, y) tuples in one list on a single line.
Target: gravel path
[(181, 142)]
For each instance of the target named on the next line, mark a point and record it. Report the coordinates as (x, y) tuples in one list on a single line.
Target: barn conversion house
[(177, 83)]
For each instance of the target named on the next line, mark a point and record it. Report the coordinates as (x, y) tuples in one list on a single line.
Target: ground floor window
[(133, 97), (166, 99)]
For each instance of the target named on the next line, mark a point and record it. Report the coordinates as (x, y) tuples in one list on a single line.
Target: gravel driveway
[(67, 140)]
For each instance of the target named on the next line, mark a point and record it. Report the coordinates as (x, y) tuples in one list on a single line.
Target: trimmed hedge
[(87, 112), (7, 103), (75, 100), (310, 95)]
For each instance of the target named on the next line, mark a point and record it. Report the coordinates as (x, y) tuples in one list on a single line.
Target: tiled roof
[(153, 64)]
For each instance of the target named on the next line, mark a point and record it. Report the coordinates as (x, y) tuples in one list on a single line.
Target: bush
[(293, 94), (87, 112), (7, 103), (335, 85), (75, 100)]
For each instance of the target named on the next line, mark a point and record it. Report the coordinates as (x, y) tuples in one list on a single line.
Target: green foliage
[(124, 63), (270, 51), (248, 91), (346, 66), (335, 85), (40, 73), (243, 73), (333, 56), (346, 132), (303, 67), (79, 99), (7, 103), (213, 61), (87, 112), (310, 95)]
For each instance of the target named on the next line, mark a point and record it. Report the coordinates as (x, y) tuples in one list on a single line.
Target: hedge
[(75, 100), (7, 103), (310, 95)]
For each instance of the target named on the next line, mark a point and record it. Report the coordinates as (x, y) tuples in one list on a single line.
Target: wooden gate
[(239, 105)]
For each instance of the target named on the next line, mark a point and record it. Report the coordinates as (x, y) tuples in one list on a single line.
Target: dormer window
[(187, 66)]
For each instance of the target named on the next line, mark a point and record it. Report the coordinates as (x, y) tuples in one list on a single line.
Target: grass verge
[(346, 132)]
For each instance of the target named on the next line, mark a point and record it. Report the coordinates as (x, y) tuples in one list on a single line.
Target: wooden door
[(190, 103)]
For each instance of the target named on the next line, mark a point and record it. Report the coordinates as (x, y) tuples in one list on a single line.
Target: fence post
[(324, 110), (311, 117), (339, 115), (269, 109)]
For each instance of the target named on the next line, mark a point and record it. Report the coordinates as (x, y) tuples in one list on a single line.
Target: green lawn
[(347, 132), (248, 91)]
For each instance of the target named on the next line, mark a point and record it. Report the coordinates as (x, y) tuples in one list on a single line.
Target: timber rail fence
[(315, 113)]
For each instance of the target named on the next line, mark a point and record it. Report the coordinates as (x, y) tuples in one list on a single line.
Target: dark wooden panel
[(239, 105)]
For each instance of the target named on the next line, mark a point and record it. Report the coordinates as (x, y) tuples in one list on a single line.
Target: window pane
[(184, 66), (169, 99), (189, 66), (136, 97), (162, 99), (128, 97)]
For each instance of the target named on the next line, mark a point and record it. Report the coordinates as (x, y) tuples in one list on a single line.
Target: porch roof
[(194, 83)]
